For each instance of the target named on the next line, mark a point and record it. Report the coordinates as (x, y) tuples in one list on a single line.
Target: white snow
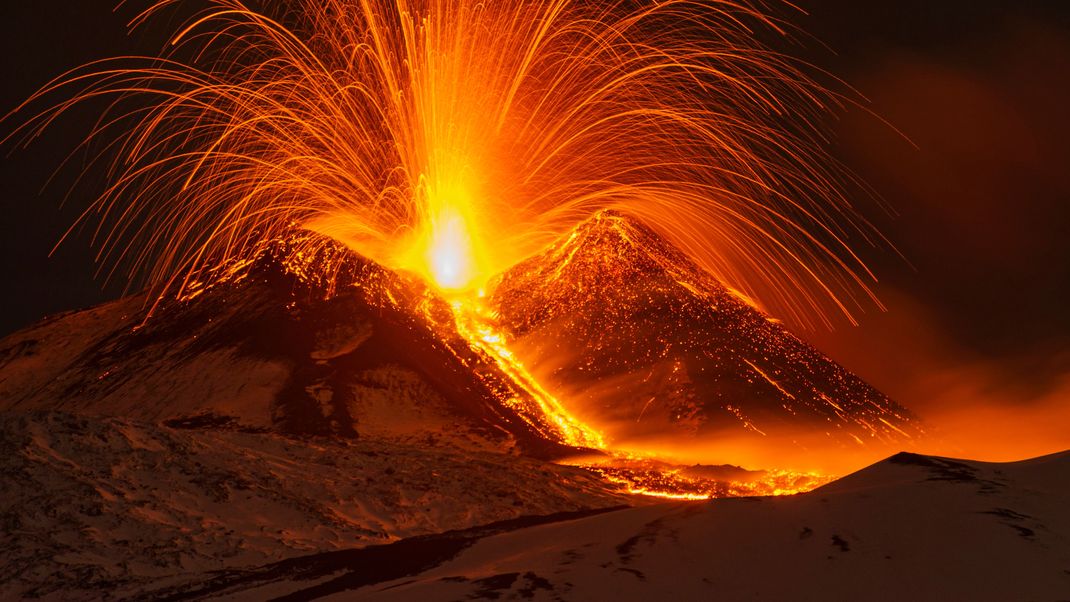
[(98, 505), (908, 528)]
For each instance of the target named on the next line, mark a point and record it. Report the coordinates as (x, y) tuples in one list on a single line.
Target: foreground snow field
[(104, 507), (908, 528)]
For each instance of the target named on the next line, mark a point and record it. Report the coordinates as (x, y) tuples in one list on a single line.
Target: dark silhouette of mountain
[(637, 337), (268, 350)]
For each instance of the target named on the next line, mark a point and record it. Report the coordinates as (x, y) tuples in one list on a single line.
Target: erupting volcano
[(455, 138), (410, 268), (453, 141), (266, 348)]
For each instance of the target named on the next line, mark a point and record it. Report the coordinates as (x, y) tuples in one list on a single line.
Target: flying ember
[(454, 139)]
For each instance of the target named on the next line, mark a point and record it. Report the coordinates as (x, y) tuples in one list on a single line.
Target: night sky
[(978, 310)]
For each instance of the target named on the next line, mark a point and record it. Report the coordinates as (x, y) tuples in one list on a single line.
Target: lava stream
[(476, 325), (638, 473)]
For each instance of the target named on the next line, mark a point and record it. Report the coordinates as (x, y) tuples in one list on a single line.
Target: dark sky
[(982, 88), (983, 202)]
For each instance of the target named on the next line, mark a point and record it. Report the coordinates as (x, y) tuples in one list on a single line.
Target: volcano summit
[(644, 342)]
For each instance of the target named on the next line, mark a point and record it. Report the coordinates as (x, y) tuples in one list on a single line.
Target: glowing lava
[(456, 138), (450, 254), (460, 137), (478, 327), (449, 259), (673, 482)]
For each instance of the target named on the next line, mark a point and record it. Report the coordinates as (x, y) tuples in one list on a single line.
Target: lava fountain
[(452, 139)]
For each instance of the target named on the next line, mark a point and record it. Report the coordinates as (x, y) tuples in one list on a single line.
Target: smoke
[(976, 339), (981, 418), (1003, 408)]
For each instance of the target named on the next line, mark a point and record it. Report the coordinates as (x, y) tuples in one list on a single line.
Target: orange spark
[(454, 138)]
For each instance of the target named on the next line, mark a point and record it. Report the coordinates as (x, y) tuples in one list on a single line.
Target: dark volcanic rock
[(642, 339), (266, 350)]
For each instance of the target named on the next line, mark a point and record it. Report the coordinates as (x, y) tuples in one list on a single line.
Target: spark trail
[(453, 139)]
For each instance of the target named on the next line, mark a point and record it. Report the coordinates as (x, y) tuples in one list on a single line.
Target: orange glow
[(474, 323), (449, 255), (453, 139), (645, 475)]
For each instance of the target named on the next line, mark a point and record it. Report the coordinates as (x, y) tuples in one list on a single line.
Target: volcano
[(281, 426), (642, 341), (267, 350), (612, 318)]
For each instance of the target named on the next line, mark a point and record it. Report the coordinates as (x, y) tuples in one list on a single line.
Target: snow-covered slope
[(908, 528), (93, 507), (265, 350)]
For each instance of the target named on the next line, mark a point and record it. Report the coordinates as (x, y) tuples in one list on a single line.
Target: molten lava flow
[(662, 480), (476, 325)]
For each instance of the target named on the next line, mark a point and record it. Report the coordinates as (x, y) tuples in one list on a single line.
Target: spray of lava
[(454, 138)]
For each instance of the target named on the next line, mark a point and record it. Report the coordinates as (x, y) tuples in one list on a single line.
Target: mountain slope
[(266, 350), (255, 420), (642, 341), (94, 507)]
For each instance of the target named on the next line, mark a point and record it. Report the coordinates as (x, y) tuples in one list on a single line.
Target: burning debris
[(454, 139), (399, 168)]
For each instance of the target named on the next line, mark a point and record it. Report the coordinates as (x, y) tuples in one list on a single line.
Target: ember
[(460, 142), (455, 138)]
